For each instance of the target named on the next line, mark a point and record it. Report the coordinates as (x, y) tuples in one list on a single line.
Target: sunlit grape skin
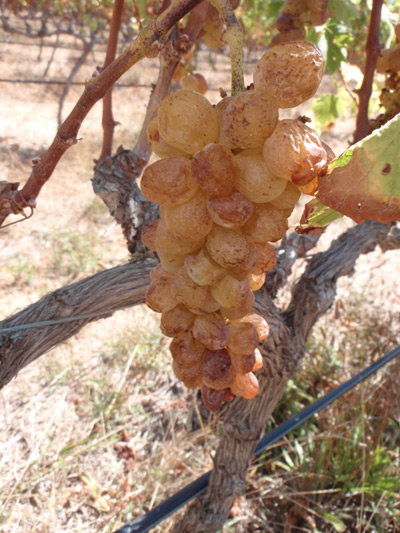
[(290, 72), (187, 121)]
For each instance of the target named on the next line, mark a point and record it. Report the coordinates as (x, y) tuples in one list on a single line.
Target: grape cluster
[(227, 180)]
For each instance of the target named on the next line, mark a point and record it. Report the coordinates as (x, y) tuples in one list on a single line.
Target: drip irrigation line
[(178, 500), (61, 320)]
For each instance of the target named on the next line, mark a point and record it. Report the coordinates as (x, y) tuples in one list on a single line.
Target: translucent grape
[(188, 374), (288, 198), (170, 261), (266, 258), (230, 249), (231, 291), (245, 385), (243, 363), (258, 322), (158, 145), (166, 242), (290, 72), (148, 235), (186, 350), (191, 295), (240, 308), (255, 180), (202, 269), (159, 296), (190, 221), (256, 281), (187, 121), (243, 338)]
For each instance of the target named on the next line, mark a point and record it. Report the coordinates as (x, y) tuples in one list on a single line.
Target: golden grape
[(186, 350), (188, 121), (290, 72), (230, 249), (255, 179), (245, 385), (258, 322), (191, 295), (158, 145), (268, 224), (202, 269), (189, 221), (249, 119), (243, 338)]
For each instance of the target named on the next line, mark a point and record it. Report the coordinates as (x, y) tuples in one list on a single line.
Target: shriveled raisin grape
[(176, 321), (231, 211), (218, 371), (168, 182), (215, 170), (211, 330), (294, 152)]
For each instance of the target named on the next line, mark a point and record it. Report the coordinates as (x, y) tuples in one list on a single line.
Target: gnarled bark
[(107, 291)]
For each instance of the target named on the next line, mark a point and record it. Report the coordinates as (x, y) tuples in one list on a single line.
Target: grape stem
[(233, 36)]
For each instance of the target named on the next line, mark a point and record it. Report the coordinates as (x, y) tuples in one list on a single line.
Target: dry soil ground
[(98, 431)]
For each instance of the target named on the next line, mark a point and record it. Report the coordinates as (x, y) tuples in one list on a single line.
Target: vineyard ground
[(98, 431)]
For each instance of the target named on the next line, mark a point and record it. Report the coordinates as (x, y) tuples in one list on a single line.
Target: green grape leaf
[(364, 183), (316, 216), (343, 10), (325, 109), (336, 41)]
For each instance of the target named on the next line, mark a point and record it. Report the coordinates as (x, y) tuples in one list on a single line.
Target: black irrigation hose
[(178, 500)]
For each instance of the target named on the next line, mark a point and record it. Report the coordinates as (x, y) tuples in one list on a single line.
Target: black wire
[(178, 500)]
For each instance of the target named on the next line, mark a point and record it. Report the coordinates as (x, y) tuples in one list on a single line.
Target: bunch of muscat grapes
[(227, 180)]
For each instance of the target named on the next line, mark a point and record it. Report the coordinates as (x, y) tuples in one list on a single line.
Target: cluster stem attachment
[(233, 36)]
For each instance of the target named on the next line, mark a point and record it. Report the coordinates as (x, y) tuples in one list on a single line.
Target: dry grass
[(98, 431)]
